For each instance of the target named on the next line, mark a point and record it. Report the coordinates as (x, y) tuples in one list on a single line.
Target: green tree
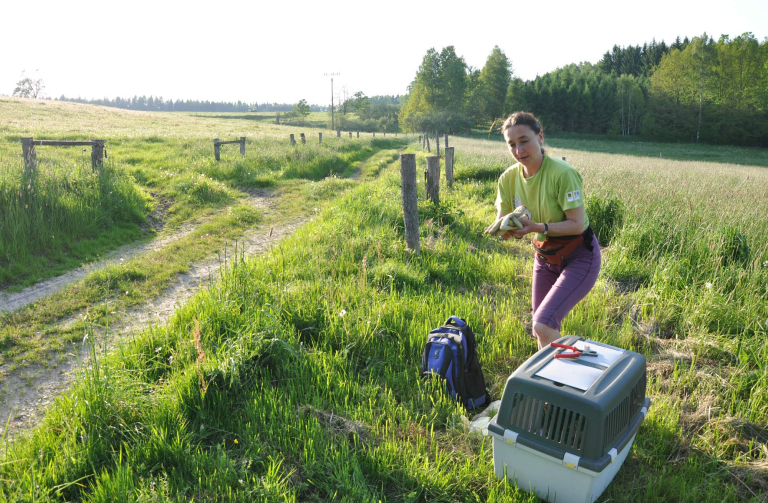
[(631, 101), (494, 78), (475, 97), (361, 103), (516, 99), (437, 96), (301, 110), (703, 54), (672, 90)]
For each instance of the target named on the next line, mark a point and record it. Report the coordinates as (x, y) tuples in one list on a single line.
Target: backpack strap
[(467, 333), (455, 320)]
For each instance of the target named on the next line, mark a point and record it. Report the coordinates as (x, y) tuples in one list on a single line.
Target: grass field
[(65, 213), (295, 377), (160, 171), (637, 146)]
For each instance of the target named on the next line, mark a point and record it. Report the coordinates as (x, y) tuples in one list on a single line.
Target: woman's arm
[(573, 225)]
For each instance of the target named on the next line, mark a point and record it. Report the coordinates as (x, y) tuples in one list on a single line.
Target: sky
[(283, 52)]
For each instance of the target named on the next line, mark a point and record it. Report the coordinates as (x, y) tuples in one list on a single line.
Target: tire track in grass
[(27, 392), (11, 301)]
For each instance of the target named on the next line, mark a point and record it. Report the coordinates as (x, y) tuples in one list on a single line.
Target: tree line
[(697, 90), (152, 104)]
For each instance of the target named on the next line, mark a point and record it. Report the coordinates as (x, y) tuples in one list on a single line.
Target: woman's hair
[(523, 119)]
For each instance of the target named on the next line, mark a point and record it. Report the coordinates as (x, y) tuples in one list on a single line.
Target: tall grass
[(692, 236), (47, 212), (309, 386), (65, 213)]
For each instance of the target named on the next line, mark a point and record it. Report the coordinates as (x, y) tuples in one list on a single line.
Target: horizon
[(173, 60)]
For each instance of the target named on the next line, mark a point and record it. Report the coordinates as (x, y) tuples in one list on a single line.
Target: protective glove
[(494, 227), (508, 222), (511, 221)]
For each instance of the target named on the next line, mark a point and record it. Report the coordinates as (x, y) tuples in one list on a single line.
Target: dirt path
[(27, 392), (13, 301)]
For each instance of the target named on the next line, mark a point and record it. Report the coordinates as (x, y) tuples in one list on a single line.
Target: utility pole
[(333, 123)]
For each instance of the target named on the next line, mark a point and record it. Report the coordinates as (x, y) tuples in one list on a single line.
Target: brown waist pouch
[(554, 249)]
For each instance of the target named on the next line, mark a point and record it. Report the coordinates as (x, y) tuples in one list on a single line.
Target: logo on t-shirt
[(573, 195)]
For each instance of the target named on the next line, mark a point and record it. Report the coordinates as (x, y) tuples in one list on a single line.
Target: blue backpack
[(451, 353)]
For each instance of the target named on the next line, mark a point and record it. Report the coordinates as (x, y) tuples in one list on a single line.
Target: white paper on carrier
[(605, 355), (570, 373)]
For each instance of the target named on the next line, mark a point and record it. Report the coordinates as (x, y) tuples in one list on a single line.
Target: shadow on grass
[(248, 117), (642, 147)]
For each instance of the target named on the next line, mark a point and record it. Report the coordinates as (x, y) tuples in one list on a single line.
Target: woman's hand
[(528, 227)]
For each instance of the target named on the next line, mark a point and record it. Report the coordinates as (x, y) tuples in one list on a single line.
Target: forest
[(697, 90)]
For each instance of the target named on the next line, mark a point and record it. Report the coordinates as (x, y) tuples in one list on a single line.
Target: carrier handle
[(458, 321)]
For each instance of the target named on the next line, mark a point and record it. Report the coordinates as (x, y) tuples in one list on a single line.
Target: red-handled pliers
[(576, 351)]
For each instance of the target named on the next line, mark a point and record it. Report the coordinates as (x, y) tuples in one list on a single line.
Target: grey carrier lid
[(558, 419)]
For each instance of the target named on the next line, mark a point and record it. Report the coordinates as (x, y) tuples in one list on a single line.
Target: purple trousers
[(556, 290)]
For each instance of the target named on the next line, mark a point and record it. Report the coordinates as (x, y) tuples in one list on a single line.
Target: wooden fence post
[(437, 143), (410, 201), (293, 140), (433, 178), (426, 137), (374, 134), (358, 134), (563, 158), (97, 154), (446, 140), (320, 137), (338, 133), (242, 145), (28, 150), (350, 134), (216, 149), (303, 139), (421, 142), (277, 120), (449, 164)]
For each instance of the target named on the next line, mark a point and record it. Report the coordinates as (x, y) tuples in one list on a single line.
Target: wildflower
[(236, 441), (343, 313), (708, 285)]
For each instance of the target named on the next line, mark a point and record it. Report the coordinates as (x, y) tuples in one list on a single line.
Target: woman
[(567, 256)]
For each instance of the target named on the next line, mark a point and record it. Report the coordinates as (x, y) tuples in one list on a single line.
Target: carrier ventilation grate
[(620, 418), (548, 421)]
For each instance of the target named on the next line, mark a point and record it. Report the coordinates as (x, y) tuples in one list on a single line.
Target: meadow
[(295, 375), (159, 179), (66, 213)]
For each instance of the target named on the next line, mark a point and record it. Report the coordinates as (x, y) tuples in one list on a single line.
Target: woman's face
[(524, 144)]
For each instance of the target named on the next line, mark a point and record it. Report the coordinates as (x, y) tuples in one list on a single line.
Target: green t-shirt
[(554, 188)]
